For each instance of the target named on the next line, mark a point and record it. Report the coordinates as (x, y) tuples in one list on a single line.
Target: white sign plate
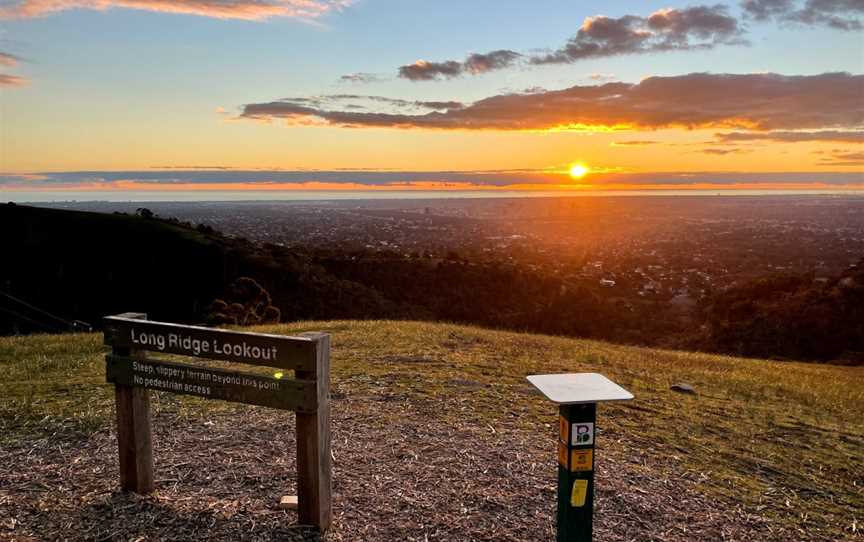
[(576, 388)]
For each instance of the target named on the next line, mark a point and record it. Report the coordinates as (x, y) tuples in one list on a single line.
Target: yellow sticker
[(562, 429), (580, 492), (581, 460)]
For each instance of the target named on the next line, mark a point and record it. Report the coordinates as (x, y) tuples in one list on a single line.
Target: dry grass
[(438, 436)]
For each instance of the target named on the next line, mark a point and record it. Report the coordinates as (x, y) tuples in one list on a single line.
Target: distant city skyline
[(282, 95)]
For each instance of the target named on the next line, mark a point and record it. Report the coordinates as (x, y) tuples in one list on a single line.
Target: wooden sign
[(133, 374), (240, 347)]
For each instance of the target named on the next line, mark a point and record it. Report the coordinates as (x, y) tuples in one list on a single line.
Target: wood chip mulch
[(400, 474)]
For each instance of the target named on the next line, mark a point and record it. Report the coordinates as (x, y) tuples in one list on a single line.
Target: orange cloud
[(251, 10), (7, 59), (844, 159), (7, 80), (761, 101), (633, 143), (793, 137), (723, 152)]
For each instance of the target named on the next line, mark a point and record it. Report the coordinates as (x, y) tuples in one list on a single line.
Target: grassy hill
[(438, 436)]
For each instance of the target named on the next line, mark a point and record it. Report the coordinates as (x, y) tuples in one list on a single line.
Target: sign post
[(133, 374), (577, 396)]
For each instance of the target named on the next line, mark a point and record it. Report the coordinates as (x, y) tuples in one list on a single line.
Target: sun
[(577, 171)]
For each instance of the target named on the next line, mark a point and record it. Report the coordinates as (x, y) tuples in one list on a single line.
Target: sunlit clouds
[(844, 158), (756, 102), (351, 95), (220, 9), (8, 80), (8, 60)]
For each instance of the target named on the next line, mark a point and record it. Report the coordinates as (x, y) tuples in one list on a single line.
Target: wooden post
[(313, 443), (134, 442)]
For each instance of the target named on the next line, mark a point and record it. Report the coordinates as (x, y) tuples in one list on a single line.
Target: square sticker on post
[(582, 434)]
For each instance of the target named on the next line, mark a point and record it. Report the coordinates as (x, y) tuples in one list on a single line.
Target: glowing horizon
[(637, 92)]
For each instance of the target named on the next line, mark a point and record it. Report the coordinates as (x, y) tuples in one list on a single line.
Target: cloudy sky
[(353, 94)]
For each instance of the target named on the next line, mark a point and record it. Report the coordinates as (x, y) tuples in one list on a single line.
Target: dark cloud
[(701, 22), (765, 10), (792, 137), (696, 27), (428, 71), (367, 102), (494, 60), (837, 14), (220, 9), (759, 102), (475, 64), (362, 97), (360, 78), (441, 105)]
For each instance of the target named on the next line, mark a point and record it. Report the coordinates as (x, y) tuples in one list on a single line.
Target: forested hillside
[(64, 266)]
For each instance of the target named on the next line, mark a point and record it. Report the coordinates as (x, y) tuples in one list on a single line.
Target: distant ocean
[(21, 196)]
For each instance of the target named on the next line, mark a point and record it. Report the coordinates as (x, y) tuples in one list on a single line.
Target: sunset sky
[(353, 94)]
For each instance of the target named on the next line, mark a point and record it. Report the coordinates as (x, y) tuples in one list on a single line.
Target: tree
[(246, 303)]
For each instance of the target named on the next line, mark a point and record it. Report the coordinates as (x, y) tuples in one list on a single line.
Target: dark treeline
[(81, 266), (789, 316)]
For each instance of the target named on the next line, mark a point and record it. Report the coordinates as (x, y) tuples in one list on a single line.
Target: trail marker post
[(133, 374), (577, 396)]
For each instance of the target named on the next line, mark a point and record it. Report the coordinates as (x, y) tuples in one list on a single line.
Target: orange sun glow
[(577, 171)]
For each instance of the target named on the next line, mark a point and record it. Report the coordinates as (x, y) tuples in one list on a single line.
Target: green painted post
[(576, 472), (577, 395)]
